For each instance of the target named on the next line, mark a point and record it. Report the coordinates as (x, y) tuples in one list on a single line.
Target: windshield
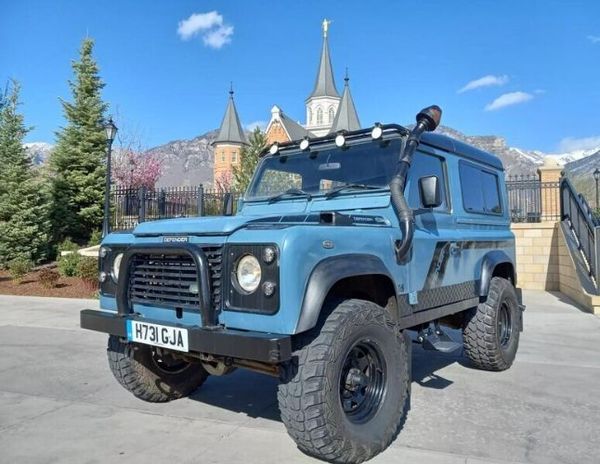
[(366, 164)]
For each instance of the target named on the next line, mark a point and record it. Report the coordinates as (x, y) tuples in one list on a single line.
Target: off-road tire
[(309, 393), (482, 333), (136, 370)]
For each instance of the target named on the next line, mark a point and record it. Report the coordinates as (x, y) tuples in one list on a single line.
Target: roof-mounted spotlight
[(377, 131), (304, 144), (274, 148), (340, 140)]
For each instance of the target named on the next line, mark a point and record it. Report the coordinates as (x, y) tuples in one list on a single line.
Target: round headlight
[(116, 264), (248, 273)]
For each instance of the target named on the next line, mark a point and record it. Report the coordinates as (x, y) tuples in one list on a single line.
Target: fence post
[(550, 173), (200, 200), (227, 204), (162, 198), (142, 211)]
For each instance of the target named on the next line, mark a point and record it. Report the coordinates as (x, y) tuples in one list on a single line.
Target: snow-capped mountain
[(38, 151), (190, 162)]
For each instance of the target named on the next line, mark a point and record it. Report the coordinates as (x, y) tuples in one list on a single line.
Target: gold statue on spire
[(326, 23)]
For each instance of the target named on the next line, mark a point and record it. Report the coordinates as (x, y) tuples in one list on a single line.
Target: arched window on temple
[(319, 115)]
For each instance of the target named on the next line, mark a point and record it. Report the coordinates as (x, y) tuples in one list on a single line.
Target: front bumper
[(256, 346)]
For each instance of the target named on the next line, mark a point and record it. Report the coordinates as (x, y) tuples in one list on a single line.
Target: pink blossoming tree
[(131, 169)]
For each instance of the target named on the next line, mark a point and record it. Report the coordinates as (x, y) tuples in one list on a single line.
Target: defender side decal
[(443, 251)]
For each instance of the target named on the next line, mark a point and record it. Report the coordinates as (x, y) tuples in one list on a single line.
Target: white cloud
[(508, 99), (485, 81), (574, 144), (198, 22), (595, 39), (262, 125), (218, 37), (215, 33)]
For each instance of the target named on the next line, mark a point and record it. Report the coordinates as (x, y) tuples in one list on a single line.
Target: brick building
[(326, 112)]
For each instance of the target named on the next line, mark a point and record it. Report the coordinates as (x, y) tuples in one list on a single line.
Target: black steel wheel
[(504, 325), (362, 381), (345, 395), (492, 329)]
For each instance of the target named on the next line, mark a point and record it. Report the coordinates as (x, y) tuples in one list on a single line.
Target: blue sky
[(539, 60)]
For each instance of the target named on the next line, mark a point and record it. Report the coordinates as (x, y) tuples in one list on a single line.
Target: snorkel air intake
[(427, 121)]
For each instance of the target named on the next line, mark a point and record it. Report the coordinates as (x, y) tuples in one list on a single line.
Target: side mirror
[(429, 189)]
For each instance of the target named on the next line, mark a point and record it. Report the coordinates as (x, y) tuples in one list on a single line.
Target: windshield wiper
[(334, 191), (296, 192)]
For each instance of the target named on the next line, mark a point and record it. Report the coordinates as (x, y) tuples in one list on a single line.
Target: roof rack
[(348, 135)]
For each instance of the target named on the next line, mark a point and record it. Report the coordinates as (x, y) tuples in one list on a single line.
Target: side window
[(425, 165), (480, 190)]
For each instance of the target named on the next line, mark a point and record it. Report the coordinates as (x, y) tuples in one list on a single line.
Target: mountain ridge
[(189, 162)]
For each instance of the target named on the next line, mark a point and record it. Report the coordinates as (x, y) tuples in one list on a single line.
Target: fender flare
[(490, 261), (326, 274)]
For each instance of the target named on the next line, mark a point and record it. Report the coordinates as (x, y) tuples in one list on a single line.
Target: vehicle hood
[(279, 216), (212, 225)]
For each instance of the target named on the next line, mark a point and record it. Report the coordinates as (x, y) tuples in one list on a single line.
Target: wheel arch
[(342, 274), (496, 263)]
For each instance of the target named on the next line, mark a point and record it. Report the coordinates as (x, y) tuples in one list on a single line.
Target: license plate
[(173, 338)]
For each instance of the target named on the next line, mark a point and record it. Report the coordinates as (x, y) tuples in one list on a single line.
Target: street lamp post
[(111, 132)]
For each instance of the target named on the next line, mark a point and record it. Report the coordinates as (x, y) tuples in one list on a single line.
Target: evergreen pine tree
[(78, 160), (242, 174), (24, 207)]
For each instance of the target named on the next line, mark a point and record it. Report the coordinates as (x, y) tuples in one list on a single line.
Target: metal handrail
[(575, 209)]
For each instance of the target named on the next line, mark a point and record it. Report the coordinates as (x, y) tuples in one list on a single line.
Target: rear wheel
[(345, 395), (491, 332), (152, 375)]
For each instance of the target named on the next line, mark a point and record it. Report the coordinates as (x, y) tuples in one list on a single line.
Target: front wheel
[(151, 375), (344, 397), (491, 331)]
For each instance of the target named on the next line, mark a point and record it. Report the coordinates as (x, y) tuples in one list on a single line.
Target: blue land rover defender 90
[(345, 250)]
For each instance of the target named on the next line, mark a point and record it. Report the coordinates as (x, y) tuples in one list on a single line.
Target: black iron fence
[(584, 225), (529, 199), (129, 206)]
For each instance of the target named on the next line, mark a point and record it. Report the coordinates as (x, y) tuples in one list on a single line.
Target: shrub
[(48, 278), (87, 269), (95, 238), (67, 264), (18, 267), (67, 245)]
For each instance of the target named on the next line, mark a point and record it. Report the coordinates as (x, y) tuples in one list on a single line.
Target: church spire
[(346, 117), (231, 130), (325, 84)]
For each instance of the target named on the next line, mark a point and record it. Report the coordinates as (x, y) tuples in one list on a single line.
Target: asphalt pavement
[(60, 404)]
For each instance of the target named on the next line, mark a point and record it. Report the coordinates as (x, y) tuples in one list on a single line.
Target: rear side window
[(425, 165), (480, 190)]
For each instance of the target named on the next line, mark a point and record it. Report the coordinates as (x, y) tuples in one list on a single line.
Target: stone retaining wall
[(537, 248)]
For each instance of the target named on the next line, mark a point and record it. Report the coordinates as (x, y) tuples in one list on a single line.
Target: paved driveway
[(60, 403)]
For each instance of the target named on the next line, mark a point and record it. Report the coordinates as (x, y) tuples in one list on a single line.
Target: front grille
[(172, 280), (214, 255)]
